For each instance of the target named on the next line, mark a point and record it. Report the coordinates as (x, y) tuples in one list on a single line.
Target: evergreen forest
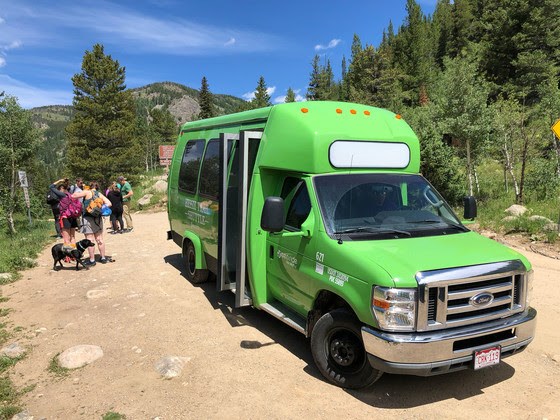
[(478, 81)]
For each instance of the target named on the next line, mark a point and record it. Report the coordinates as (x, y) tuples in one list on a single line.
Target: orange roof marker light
[(398, 116), (338, 111), (353, 111), (304, 110), (366, 112)]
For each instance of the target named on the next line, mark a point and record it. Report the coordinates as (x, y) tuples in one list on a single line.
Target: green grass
[(56, 369), (19, 251), (111, 415)]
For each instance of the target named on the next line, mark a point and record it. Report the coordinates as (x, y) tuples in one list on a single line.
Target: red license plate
[(487, 357)]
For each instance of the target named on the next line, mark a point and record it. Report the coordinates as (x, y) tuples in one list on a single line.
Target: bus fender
[(200, 262)]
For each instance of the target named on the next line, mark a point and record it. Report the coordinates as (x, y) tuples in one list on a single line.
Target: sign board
[(23, 179), (165, 154), (556, 129)]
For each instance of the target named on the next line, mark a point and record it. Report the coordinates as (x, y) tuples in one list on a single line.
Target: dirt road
[(243, 363)]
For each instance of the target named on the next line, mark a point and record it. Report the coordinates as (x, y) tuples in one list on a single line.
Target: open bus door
[(237, 160)]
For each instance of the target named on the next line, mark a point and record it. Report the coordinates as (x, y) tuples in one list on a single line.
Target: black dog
[(58, 253)]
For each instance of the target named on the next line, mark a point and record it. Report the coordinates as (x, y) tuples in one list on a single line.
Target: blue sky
[(232, 43)]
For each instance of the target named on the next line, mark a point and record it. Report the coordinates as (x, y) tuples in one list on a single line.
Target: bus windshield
[(383, 205)]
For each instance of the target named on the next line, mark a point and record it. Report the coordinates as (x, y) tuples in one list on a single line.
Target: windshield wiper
[(447, 222), (371, 229)]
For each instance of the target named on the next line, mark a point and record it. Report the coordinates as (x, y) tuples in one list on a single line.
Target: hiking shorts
[(66, 223), (91, 225)]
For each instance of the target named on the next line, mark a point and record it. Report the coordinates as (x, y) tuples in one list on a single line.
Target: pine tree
[(290, 95), (262, 98), (101, 136), (205, 100), (313, 90)]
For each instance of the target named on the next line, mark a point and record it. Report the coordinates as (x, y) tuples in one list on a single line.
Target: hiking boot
[(89, 263), (105, 260), (129, 230)]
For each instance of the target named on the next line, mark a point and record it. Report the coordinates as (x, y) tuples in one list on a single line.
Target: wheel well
[(186, 243), (326, 301)]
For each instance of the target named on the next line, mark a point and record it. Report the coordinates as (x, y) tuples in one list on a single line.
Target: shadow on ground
[(390, 391)]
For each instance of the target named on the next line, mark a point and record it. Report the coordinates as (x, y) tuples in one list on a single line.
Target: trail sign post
[(165, 154), (556, 129), (23, 182)]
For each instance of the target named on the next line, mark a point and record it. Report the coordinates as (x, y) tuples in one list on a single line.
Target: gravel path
[(229, 363)]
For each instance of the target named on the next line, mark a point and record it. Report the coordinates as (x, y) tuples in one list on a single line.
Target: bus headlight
[(395, 309)]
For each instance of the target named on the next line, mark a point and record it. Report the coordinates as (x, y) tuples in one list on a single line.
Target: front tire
[(194, 275), (339, 353)]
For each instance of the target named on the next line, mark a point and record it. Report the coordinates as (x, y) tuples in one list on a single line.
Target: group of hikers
[(82, 207)]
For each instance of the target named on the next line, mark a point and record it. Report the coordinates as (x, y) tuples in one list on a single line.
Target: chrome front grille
[(467, 295)]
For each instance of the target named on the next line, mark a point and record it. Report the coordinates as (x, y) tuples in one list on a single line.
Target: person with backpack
[(92, 220), (52, 200), (115, 197), (68, 213), (126, 192)]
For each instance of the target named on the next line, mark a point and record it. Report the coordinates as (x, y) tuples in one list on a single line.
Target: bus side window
[(210, 171), (294, 192), (190, 164)]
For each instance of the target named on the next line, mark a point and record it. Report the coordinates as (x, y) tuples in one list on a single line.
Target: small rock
[(24, 415), (41, 330), (5, 276), (78, 356), (96, 294), (509, 218), (12, 351), (171, 366), (556, 358), (144, 201)]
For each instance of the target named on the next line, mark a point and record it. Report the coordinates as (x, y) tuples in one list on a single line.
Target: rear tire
[(193, 274), (339, 353)]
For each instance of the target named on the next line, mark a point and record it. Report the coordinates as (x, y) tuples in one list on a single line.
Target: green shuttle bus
[(316, 213)]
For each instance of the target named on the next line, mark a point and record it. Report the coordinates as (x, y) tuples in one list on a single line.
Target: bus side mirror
[(469, 205), (272, 218)]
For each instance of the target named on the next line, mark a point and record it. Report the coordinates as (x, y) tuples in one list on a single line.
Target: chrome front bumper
[(442, 351)]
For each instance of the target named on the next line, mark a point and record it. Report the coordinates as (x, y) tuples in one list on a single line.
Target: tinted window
[(210, 173), (300, 206), (188, 175)]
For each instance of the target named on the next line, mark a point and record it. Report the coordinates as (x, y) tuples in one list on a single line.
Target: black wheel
[(339, 353), (193, 275)]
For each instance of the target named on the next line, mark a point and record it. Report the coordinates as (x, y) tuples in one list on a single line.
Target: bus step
[(285, 314)]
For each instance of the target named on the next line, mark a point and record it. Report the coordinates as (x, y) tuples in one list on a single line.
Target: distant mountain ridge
[(180, 100)]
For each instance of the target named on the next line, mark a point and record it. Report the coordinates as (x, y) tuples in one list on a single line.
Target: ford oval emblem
[(482, 299)]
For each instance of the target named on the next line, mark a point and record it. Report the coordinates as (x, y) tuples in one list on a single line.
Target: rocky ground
[(172, 350)]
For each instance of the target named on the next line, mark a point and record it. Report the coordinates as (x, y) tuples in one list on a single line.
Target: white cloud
[(249, 96), (38, 23), (1, 20), (332, 44), (2, 61), (31, 96)]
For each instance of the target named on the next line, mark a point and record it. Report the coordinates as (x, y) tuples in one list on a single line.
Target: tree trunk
[(476, 180), (519, 196), (469, 167), (509, 168), (557, 154)]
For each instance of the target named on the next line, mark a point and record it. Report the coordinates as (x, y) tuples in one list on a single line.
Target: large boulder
[(160, 186), (516, 210)]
